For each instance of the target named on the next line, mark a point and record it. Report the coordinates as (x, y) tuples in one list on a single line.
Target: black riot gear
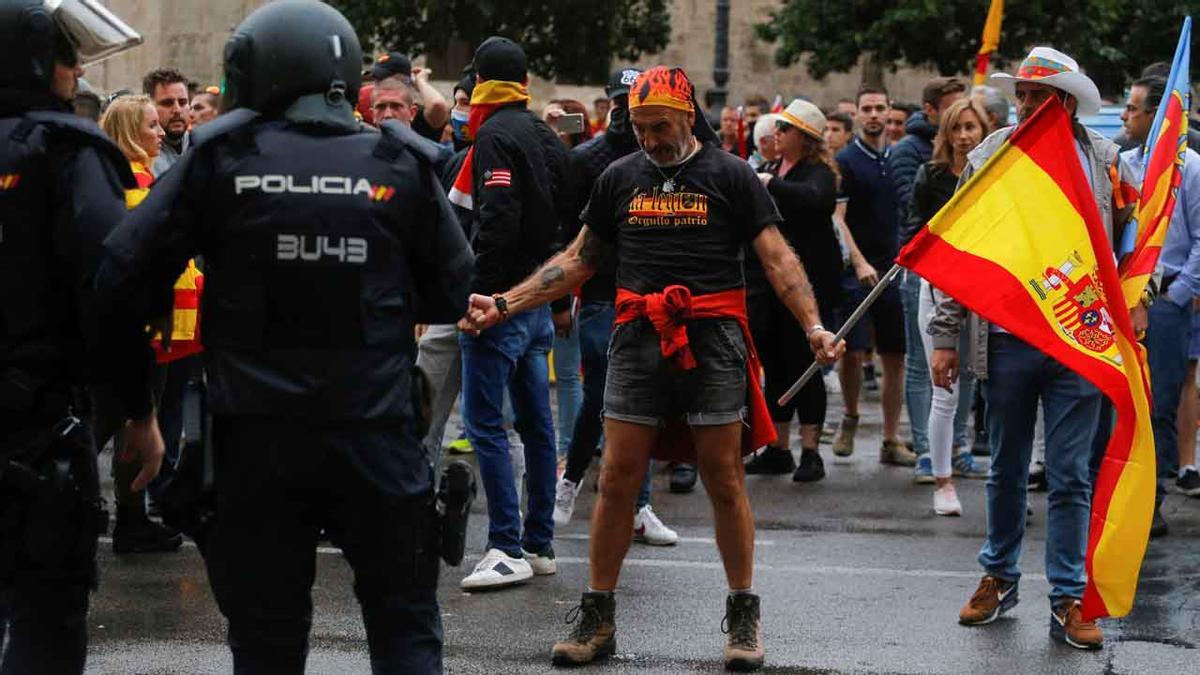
[(37, 33), (289, 50), (28, 34), (323, 244)]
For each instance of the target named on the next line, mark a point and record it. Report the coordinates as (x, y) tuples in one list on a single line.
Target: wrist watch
[(501, 306)]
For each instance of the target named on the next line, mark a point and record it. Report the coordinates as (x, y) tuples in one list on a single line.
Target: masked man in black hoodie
[(585, 163)]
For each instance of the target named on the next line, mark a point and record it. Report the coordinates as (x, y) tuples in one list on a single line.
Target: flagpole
[(850, 322)]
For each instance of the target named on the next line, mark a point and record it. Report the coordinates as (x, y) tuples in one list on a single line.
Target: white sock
[(1185, 469)]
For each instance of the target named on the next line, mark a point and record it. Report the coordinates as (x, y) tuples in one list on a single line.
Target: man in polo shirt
[(872, 217)]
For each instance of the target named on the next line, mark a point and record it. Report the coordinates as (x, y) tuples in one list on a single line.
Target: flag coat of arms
[(1023, 245)]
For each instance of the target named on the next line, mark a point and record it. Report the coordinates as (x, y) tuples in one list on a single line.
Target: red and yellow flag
[(1022, 245), (1163, 159), (991, 40)]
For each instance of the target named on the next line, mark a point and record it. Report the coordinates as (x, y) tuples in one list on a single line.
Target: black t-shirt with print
[(692, 236)]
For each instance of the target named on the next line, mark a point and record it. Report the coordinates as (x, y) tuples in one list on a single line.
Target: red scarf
[(486, 99), (670, 312)]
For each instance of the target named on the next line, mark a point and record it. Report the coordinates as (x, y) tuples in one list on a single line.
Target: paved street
[(856, 574)]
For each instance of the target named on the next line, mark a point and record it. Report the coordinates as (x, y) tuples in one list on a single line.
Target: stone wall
[(190, 34)]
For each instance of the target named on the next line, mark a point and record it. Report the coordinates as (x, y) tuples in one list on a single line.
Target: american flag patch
[(497, 178)]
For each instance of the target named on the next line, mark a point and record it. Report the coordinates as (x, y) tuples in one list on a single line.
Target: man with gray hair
[(994, 103)]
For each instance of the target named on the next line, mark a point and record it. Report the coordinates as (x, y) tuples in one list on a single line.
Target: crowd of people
[(682, 270)]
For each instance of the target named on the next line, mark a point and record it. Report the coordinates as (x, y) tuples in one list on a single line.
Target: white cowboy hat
[(1054, 69), (806, 117)]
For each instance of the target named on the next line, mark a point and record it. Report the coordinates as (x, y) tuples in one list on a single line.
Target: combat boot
[(594, 635), (744, 649), (142, 535)]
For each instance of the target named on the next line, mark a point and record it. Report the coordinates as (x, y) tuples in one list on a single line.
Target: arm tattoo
[(551, 276), (595, 251)]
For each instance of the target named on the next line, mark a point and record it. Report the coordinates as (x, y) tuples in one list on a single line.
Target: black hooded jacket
[(517, 172)]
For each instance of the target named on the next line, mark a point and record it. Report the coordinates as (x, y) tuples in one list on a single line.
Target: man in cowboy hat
[(1016, 375)]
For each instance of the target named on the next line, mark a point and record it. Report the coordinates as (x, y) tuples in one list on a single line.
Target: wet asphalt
[(856, 575)]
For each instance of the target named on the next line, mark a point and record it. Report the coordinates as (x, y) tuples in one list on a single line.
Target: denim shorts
[(645, 388)]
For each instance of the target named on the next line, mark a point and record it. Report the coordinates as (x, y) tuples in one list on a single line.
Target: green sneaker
[(461, 446)]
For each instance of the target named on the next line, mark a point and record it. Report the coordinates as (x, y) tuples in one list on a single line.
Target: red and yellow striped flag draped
[(991, 40), (1163, 158), (1022, 245)]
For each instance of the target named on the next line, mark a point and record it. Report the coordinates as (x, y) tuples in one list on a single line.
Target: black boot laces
[(739, 623), (588, 618)]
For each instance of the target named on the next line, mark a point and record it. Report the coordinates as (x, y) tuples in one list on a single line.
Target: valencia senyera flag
[(1163, 153), (1022, 244)]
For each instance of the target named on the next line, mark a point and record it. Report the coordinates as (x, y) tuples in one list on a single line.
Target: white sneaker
[(565, 495), (542, 563), (648, 529), (945, 501), (497, 569)]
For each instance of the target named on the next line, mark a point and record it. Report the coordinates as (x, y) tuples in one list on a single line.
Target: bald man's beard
[(680, 149)]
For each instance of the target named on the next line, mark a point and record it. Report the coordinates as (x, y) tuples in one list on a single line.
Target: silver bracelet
[(813, 330)]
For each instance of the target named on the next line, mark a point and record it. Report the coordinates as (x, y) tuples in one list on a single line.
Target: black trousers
[(783, 349), (48, 559), (370, 488)]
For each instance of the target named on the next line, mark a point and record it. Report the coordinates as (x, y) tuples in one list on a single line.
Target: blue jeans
[(1167, 340), (595, 327), (918, 389), (568, 387), (1018, 376), (512, 356)]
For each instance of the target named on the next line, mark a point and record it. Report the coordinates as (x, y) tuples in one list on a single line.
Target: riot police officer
[(323, 246), (61, 193)]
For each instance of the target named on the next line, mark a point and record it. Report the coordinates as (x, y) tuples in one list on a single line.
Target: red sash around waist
[(670, 312)]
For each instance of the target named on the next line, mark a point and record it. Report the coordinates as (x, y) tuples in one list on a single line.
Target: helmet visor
[(96, 32)]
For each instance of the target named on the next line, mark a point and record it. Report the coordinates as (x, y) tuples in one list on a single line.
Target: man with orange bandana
[(676, 216)]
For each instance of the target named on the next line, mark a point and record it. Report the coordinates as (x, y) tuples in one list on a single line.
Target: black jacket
[(62, 193), (322, 248), (806, 198), (585, 163), (907, 156), (932, 188), (517, 171)]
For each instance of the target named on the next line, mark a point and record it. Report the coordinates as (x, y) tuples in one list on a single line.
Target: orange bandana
[(663, 86)]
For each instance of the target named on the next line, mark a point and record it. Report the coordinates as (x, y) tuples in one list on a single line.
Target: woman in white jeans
[(963, 126)]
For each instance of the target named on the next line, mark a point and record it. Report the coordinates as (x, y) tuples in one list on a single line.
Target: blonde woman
[(963, 126), (132, 123)]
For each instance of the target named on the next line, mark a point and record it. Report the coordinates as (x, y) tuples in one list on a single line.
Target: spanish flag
[(991, 40), (1163, 158), (1022, 245)]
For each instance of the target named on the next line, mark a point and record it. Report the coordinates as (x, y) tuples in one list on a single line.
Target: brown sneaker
[(744, 650), (993, 598), (895, 452), (843, 442), (595, 634), (1067, 624)]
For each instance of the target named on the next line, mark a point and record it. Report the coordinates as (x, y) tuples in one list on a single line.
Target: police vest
[(39, 324), (309, 296)]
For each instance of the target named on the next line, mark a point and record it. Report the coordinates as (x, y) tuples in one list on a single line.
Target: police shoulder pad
[(223, 126), (69, 128), (396, 136)]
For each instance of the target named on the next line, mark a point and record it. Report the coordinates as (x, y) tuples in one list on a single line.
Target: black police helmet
[(32, 42), (289, 49)]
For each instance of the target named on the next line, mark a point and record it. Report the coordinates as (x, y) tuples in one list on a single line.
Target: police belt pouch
[(188, 498), (50, 508)]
